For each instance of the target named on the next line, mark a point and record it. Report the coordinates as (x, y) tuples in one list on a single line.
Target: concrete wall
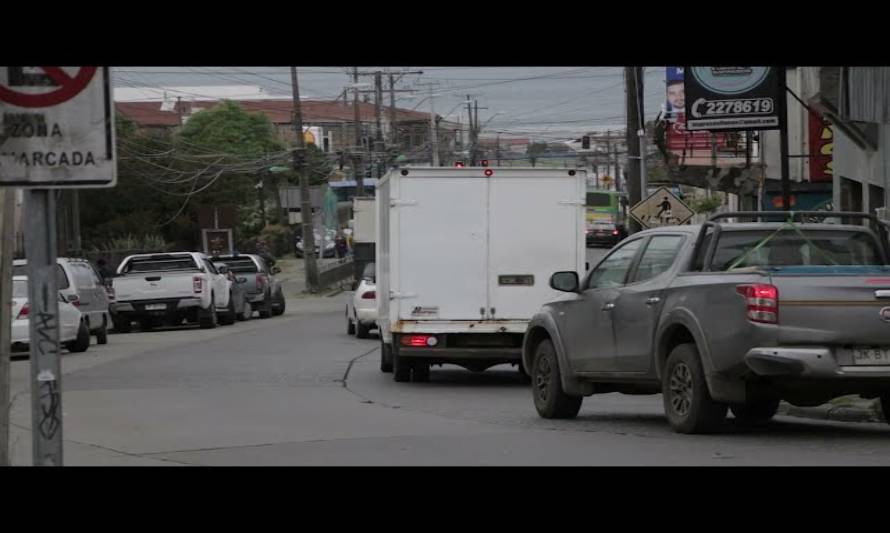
[(864, 166)]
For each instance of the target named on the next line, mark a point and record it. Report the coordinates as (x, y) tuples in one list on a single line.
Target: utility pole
[(609, 153), (634, 190), (7, 239), (357, 159), (641, 132), (472, 131), (434, 133), (783, 139), (305, 204), (393, 125), (378, 105)]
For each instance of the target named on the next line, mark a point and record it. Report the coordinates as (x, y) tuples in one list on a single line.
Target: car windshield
[(19, 288), (160, 264), (242, 265), (792, 248)]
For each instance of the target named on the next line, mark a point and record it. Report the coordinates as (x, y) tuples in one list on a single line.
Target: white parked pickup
[(167, 288)]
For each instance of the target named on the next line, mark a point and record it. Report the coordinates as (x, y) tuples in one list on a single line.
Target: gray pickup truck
[(738, 313)]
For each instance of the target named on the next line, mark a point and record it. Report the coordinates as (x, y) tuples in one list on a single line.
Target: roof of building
[(151, 114)]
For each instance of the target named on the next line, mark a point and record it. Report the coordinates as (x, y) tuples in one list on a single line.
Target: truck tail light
[(260, 281), (370, 295), (24, 312), (419, 341), (74, 300), (488, 172), (762, 302), (615, 232), (198, 284)]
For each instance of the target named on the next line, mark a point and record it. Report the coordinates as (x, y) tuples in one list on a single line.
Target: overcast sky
[(544, 102)]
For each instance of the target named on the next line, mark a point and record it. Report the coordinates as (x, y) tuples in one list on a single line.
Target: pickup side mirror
[(566, 281), (222, 269), (276, 270)]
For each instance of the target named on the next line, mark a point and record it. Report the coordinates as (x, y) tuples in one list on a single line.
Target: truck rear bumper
[(139, 307), (810, 363), (506, 355)]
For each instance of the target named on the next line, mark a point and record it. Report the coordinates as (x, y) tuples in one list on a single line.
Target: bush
[(705, 205), (149, 243), (279, 239)]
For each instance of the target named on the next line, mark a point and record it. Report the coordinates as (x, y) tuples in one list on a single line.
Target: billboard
[(821, 148), (731, 98), (690, 147)]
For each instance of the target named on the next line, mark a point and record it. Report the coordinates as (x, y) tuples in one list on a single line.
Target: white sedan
[(361, 309), (73, 332)]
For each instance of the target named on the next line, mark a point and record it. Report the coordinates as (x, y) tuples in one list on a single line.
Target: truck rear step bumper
[(809, 362)]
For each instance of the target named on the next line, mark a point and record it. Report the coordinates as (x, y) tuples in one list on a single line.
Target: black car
[(605, 233)]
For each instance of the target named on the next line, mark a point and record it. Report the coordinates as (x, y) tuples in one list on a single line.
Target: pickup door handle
[(153, 278), (609, 306), (652, 301)]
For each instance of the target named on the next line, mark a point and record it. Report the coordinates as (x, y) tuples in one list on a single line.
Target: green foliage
[(705, 205), (146, 243)]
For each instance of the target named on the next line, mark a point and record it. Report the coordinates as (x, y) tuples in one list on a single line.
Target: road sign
[(661, 208), (58, 127)]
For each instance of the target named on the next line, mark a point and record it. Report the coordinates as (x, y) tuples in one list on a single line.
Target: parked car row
[(171, 288)]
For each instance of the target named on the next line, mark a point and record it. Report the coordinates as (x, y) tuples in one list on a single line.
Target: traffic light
[(585, 142)]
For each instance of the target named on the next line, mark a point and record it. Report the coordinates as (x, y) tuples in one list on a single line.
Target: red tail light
[(370, 295), (419, 341), (260, 281), (615, 232), (197, 284), (762, 301), (24, 312)]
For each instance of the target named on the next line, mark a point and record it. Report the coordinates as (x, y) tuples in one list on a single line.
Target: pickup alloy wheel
[(551, 401), (687, 401)]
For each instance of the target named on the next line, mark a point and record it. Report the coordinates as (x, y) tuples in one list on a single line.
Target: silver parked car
[(82, 287), (255, 277), (736, 315)]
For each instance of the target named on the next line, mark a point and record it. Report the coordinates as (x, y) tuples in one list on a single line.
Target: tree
[(534, 150)]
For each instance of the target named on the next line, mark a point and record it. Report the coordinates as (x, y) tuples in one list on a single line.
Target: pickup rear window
[(242, 266), (149, 264), (786, 248)]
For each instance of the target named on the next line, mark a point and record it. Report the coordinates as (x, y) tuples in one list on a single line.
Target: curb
[(865, 412)]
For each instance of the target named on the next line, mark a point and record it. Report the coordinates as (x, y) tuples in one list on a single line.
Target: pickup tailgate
[(843, 307), (154, 286)]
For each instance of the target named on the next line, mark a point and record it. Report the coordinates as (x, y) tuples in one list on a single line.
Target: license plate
[(867, 355), (156, 307)]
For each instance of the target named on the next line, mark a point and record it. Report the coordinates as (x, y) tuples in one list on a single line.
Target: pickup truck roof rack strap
[(759, 245), (811, 243)]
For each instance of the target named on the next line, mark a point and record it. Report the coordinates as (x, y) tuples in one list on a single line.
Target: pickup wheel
[(279, 307), (385, 357), (228, 318), (755, 412), (207, 319), (687, 402), (551, 401)]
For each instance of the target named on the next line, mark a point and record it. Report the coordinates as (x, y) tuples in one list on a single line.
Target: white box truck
[(464, 258)]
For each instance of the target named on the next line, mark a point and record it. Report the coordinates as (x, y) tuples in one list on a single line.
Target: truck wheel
[(82, 342), (551, 401), (362, 330), (207, 318), (420, 372), (279, 307), (350, 325), (401, 368), (755, 412), (385, 357), (687, 402), (102, 334)]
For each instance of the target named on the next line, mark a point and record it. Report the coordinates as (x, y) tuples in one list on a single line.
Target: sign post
[(661, 208), (58, 126)]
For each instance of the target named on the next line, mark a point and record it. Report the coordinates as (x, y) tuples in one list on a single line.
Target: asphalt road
[(296, 390)]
